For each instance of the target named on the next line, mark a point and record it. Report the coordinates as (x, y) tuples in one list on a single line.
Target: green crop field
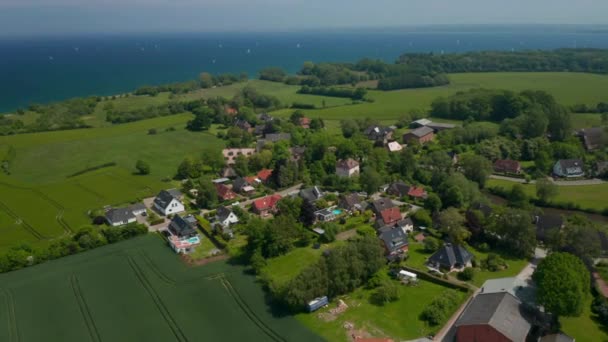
[(138, 290), (587, 196)]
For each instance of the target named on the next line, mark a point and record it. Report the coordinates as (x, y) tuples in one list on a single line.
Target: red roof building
[(264, 175), (224, 193), (507, 166), (231, 111), (417, 192), (390, 216), (305, 122), (266, 205)]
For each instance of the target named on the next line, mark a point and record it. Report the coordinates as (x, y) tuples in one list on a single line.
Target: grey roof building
[(569, 168), (394, 240), (381, 204), (352, 202), (311, 194), (120, 216), (493, 317), (183, 226), (593, 138), (450, 257), (547, 225)]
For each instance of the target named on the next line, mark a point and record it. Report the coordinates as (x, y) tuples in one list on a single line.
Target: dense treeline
[(412, 80), (123, 116), (573, 60), (85, 239), (206, 80), (600, 108), (355, 94)]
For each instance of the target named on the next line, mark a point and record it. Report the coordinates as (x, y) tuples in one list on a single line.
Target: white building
[(167, 203)]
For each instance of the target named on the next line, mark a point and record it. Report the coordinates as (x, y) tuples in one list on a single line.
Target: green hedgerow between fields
[(137, 290)]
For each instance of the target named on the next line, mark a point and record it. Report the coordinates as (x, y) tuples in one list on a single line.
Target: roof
[(417, 192), (119, 215), (398, 188), (325, 212), (175, 193), (390, 215), (164, 198), (561, 337), (264, 174), (378, 132), (265, 117), (267, 202), (304, 122), (593, 137), (347, 164), (137, 207), (420, 237), (220, 180), (223, 213), (350, 200), (311, 194), (243, 124), (571, 166), (381, 204), (239, 183), (547, 223), (405, 222), (181, 227), (228, 172), (224, 192), (507, 165), (449, 256), (501, 311), (421, 132), (297, 151), (393, 238), (422, 122), (513, 285), (439, 126), (394, 146)]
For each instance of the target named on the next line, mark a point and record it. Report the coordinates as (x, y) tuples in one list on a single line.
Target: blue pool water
[(337, 211)]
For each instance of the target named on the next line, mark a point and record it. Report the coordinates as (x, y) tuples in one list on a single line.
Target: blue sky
[(33, 17)]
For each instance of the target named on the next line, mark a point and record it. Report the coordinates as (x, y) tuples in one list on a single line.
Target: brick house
[(421, 135)]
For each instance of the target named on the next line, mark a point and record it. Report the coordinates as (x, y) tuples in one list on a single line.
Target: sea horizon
[(43, 69)]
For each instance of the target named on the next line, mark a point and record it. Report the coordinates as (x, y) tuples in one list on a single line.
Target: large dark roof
[(382, 204), (398, 189), (501, 311), (547, 223), (421, 132), (393, 238), (571, 166), (239, 184), (119, 215), (164, 198), (222, 213), (181, 227), (378, 132), (593, 137), (311, 194), (450, 255)]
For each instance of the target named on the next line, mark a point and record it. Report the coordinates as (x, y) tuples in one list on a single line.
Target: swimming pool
[(336, 211)]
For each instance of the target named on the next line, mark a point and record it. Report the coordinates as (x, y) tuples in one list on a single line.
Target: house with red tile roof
[(266, 205), (264, 175), (417, 192), (390, 216), (224, 193), (305, 122)]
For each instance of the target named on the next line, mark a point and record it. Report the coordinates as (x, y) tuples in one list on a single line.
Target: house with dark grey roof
[(569, 168), (381, 204), (183, 236), (451, 258), (120, 216), (327, 214), (352, 202), (593, 138), (311, 194), (547, 226), (394, 240), (421, 135), (224, 218), (297, 152), (167, 202), (440, 126), (242, 185), (137, 208), (493, 317), (379, 134)]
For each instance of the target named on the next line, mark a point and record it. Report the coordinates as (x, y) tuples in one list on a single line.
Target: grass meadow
[(138, 290)]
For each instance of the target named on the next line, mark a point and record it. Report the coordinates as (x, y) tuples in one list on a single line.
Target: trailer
[(317, 303)]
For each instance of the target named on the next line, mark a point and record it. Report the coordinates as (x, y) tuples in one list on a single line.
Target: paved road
[(594, 181)]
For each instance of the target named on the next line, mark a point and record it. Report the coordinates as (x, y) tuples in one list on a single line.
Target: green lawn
[(587, 196), (398, 320), (134, 291), (584, 328), (586, 120)]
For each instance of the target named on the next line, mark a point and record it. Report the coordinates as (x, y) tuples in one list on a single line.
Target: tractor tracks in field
[(22, 222), (13, 329), (154, 268), (84, 310), (162, 308), (251, 315)]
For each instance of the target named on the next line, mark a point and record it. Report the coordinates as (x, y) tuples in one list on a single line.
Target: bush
[(494, 263), (152, 131), (387, 292), (467, 274), (439, 309), (431, 244)]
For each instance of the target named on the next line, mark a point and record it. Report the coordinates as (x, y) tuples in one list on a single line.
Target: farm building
[(593, 138), (493, 317), (421, 135), (167, 203), (420, 123), (439, 126)]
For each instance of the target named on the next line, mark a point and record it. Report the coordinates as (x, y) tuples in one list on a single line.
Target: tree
[(206, 197), (516, 231), (517, 197), (307, 213), (206, 80), (476, 168), (545, 189), (189, 168), (241, 165), (422, 218), (543, 162), (349, 127), (432, 203), (142, 167), (563, 284), (431, 245), (202, 120), (451, 222), (370, 180), (296, 117), (274, 74), (467, 274), (533, 123), (387, 292)]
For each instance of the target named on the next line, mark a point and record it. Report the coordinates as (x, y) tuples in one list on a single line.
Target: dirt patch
[(200, 262)]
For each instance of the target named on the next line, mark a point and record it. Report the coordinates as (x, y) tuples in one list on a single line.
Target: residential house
[(407, 225), (451, 258), (183, 235), (224, 193), (347, 168), (228, 172), (265, 117), (421, 135), (420, 123), (305, 122), (297, 153), (230, 154), (394, 146), (394, 241), (224, 218), (379, 134), (264, 175), (438, 126), (601, 169), (327, 214), (569, 168), (241, 185), (400, 189), (311, 194), (231, 111), (352, 202), (547, 226), (120, 216), (388, 217), (381, 204), (493, 317), (266, 205), (507, 166), (244, 125), (593, 138), (168, 203), (137, 209)]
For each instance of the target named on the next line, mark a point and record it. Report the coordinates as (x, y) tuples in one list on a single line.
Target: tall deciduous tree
[(451, 223), (476, 168), (515, 228), (546, 190)]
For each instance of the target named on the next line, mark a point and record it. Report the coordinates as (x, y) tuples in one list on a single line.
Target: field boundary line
[(24, 224), (90, 191), (13, 328), (84, 309), (155, 269), (162, 308), (253, 317)]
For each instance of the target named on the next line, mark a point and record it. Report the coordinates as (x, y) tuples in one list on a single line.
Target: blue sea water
[(40, 70)]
